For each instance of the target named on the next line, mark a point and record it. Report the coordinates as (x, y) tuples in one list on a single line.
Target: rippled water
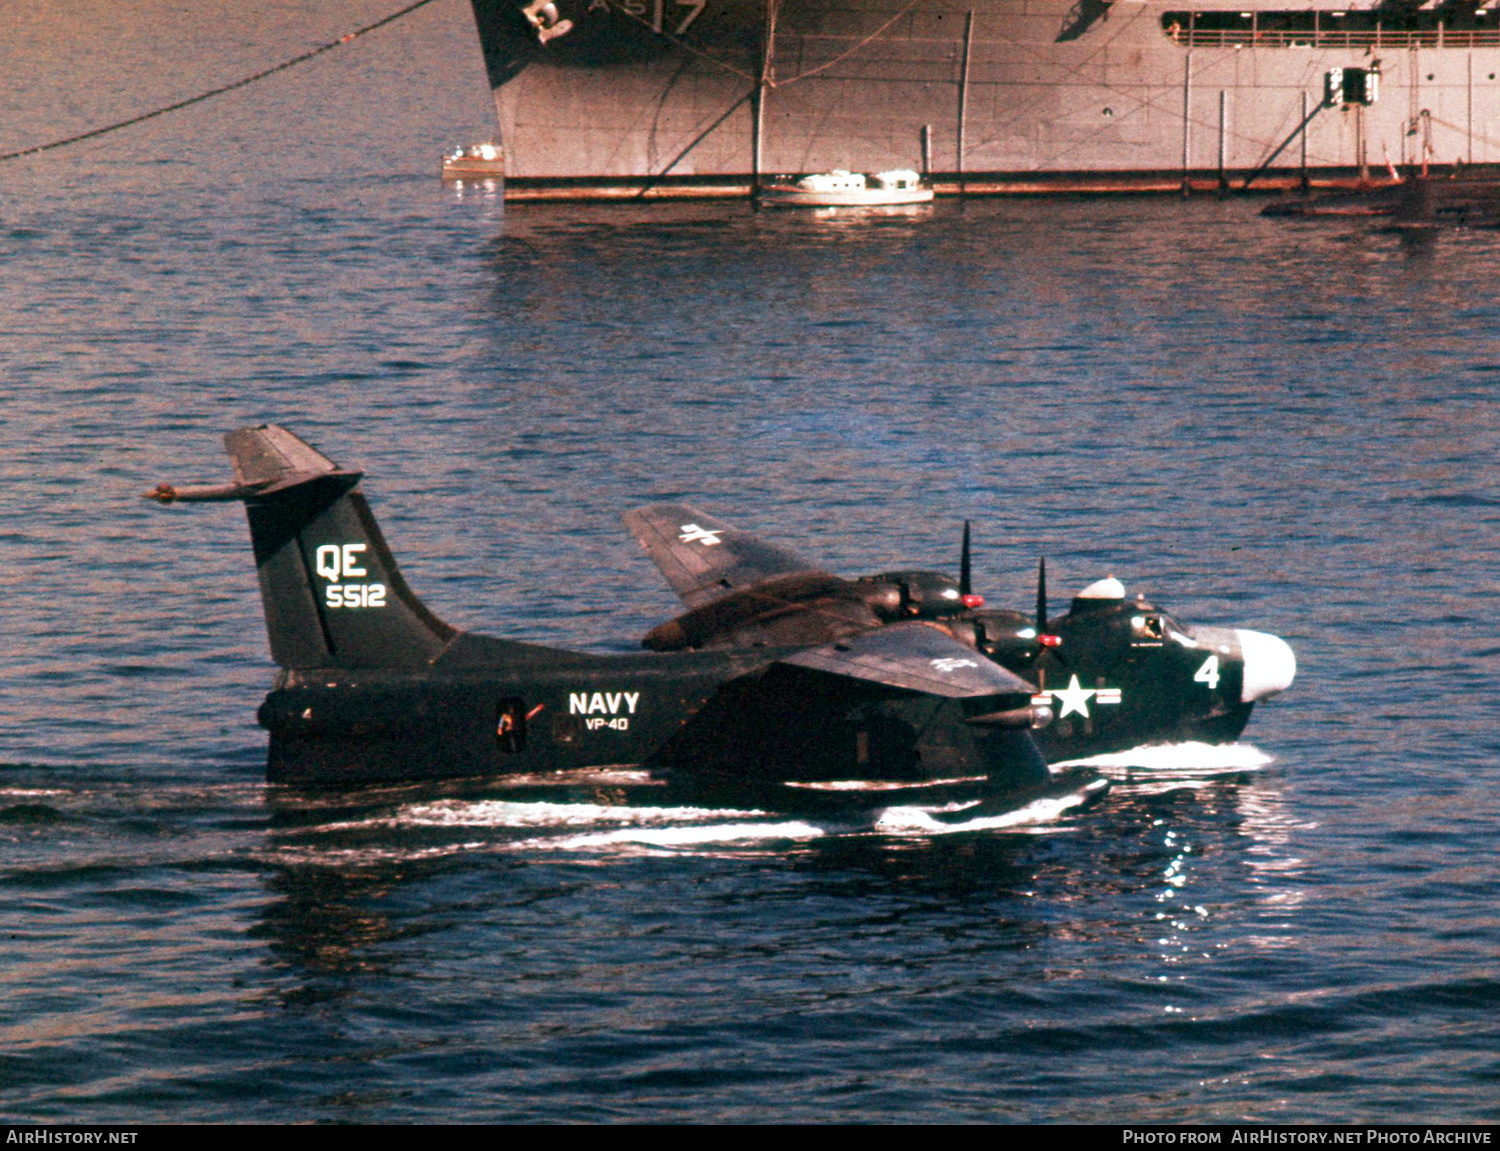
[(1287, 426)]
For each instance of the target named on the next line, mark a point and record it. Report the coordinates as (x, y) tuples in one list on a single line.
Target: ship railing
[(1334, 38)]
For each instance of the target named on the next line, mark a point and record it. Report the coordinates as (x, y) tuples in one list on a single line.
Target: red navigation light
[(1049, 640), (973, 601)]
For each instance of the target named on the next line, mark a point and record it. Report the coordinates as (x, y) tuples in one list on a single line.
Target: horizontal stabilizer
[(266, 460), (914, 657), (272, 455), (702, 557)]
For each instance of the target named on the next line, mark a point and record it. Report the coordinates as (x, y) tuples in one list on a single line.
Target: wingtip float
[(780, 682)]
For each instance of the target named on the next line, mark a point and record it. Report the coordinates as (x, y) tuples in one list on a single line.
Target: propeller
[(965, 573), (1045, 640), (965, 584), (1041, 596), (1043, 636)]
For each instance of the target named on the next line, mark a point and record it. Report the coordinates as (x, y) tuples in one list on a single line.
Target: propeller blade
[(964, 585), (1041, 596), (965, 575)]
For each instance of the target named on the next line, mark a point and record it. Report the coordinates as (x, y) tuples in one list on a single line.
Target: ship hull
[(983, 95)]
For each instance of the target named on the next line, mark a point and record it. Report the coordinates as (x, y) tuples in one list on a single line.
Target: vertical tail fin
[(332, 593)]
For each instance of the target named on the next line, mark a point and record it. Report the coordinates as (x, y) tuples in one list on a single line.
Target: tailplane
[(332, 593)]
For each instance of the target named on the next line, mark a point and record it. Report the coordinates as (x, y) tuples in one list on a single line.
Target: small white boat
[(476, 162), (841, 189)]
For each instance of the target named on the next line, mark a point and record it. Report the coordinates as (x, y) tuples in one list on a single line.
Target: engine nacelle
[(922, 594)]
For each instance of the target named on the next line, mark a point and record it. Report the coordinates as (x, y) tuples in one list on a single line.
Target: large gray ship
[(600, 98)]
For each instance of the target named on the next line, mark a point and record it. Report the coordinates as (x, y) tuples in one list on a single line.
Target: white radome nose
[(1270, 665)]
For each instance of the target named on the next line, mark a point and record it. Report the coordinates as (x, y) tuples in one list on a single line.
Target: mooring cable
[(282, 67)]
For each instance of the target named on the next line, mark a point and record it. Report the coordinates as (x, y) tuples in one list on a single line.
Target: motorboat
[(843, 189)]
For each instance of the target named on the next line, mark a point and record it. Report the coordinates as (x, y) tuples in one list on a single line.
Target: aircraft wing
[(916, 657), (704, 558)]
